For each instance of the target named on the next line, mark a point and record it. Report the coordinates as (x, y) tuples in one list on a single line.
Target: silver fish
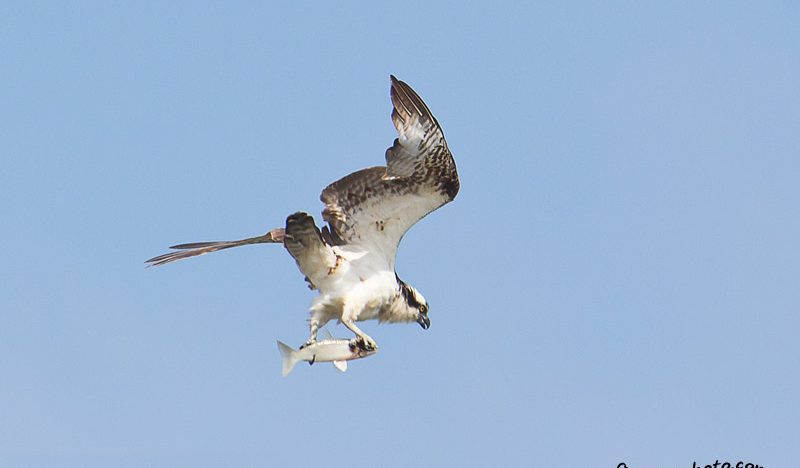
[(337, 351)]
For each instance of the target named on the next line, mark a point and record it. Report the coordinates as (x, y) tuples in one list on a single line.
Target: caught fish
[(337, 351)]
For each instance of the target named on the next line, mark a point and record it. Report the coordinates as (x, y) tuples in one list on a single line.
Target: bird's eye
[(423, 308)]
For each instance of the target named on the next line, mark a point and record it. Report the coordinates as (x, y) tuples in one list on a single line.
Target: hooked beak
[(424, 321)]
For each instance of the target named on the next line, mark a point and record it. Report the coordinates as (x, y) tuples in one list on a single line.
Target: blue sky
[(616, 281)]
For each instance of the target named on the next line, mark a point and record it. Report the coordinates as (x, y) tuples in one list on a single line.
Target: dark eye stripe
[(408, 295)]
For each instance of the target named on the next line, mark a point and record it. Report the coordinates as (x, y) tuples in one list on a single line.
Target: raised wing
[(373, 208)]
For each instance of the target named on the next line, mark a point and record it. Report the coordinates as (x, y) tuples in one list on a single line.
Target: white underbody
[(360, 288), (357, 280)]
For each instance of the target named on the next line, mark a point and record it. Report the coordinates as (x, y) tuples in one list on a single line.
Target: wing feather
[(374, 207), (304, 242), (418, 132), (201, 248)]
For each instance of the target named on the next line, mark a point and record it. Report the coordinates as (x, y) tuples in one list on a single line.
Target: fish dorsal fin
[(328, 334)]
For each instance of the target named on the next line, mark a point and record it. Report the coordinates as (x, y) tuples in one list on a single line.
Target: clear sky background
[(616, 281)]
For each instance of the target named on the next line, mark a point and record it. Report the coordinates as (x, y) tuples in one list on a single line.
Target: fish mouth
[(424, 321)]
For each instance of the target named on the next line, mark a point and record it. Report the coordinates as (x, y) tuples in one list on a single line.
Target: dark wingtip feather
[(407, 101), (274, 236), (171, 257), (196, 245)]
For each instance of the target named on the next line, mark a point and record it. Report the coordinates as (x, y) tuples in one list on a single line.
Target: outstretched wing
[(373, 208), (201, 248)]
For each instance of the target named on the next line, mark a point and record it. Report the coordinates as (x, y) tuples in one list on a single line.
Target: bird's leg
[(362, 340), (313, 325)]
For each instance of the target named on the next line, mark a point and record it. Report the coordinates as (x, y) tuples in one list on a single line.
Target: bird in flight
[(351, 260)]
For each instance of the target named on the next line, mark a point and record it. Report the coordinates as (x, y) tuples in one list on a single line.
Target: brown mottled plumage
[(420, 176)]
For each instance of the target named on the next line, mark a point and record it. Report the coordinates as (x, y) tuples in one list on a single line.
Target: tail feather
[(289, 357), (200, 248)]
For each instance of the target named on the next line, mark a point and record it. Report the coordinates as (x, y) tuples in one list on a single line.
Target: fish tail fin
[(289, 357), (341, 365)]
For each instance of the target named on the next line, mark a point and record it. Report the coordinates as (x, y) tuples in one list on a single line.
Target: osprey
[(351, 260)]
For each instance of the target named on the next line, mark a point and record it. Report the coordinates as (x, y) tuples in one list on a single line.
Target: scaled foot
[(310, 342), (365, 343)]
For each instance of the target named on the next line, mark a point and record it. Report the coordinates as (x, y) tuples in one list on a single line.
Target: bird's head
[(416, 304)]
